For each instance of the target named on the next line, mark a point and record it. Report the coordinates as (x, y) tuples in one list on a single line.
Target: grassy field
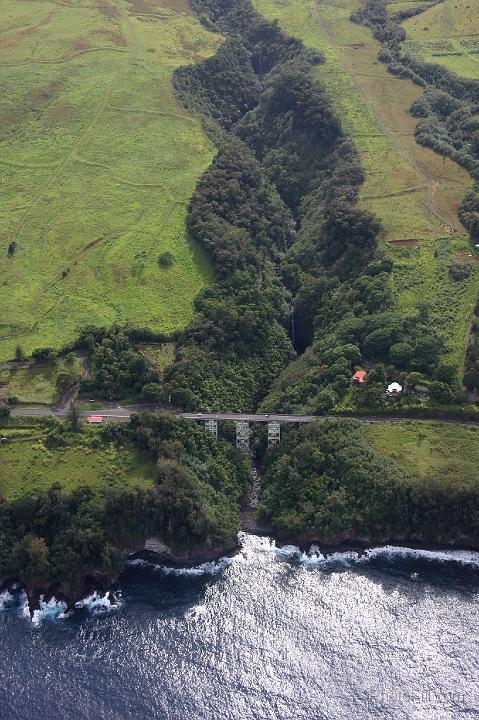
[(411, 190), (430, 449), (447, 34), (160, 355), (98, 163), (36, 383), (28, 465)]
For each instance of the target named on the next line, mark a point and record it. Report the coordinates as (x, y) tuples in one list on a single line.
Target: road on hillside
[(121, 413)]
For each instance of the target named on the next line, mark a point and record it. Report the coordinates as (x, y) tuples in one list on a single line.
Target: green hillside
[(30, 464), (447, 34), (414, 193), (98, 162)]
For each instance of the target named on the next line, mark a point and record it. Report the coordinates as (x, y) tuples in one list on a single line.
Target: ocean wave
[(208, 568), (196, 612), (52, 610), (469, 558), (97, 603), (15, 598), (253, 545), (7, 600)]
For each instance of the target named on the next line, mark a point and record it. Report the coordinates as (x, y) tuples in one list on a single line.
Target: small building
[(359, 377), (394, 389), (94, 419)]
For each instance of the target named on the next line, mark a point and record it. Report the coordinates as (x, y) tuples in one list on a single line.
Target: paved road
[(119, 412), (250, 417), (110, 411), (122, 413)]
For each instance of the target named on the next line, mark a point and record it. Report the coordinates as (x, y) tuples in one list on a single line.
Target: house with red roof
[(359, 376)]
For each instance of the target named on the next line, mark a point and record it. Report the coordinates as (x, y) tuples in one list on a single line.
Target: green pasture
[(98, 162), (421, 270), (28, 465), (430, 450), (447, 34)]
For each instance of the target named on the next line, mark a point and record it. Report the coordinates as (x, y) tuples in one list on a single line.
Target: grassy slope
[(27, 465), (447, 34), (430, 449), (160, 355), (98, 163), (407, 186), (35, 383)]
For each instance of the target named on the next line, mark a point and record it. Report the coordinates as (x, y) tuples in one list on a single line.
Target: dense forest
[(327, 267), (198, 485), (326, 481)]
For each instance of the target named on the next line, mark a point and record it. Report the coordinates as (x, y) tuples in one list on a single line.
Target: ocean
[(270, 634)]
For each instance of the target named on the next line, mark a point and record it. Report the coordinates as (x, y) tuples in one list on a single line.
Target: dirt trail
[(429, 181)]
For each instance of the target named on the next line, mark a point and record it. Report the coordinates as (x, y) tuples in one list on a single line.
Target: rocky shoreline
[(155, 552)]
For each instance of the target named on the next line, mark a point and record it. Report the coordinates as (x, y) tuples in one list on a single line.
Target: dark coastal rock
[(156, 551)]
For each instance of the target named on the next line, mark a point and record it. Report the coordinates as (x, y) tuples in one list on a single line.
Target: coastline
[(105, 584)]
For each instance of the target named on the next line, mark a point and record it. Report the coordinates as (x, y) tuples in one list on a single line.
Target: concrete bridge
[(242, 422)]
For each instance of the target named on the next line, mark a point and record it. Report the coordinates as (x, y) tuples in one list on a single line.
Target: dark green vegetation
[(280, 136), (327, 480), (118, 370), (448, 108), (191, 500)]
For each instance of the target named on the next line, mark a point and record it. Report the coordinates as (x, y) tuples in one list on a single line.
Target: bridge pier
[(242, 436), (274, 433), (211, 427)]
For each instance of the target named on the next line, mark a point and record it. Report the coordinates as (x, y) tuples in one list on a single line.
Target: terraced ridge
[(97, 165), (447, 34)]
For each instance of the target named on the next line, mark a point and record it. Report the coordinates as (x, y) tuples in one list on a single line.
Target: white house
[(394, 389)]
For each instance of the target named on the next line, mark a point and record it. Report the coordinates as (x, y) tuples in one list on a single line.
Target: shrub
[(44, 355), (166, 259), (441, 392), (459, 271), (4, 412)]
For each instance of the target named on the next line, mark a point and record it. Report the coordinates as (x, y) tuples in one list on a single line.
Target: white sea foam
[(468, 558), (138, 562), (314, 558), (256, 548), (196, 612), (207, 568), (7, 600), (52, 610), (14, 599), (97, 603)]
